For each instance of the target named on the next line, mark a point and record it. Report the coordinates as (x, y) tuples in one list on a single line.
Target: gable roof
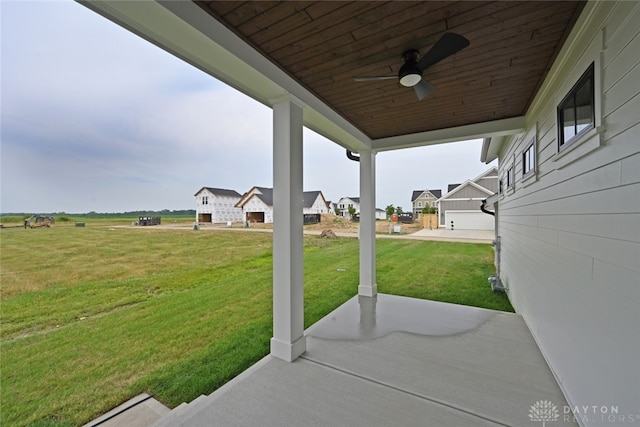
[(219, 192), (452, 187), (435, 193), (354, 199), (491, 172), (258, 191), (266, 196), (309, 198), (467, 183)]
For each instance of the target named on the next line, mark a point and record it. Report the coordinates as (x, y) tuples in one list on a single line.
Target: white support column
[(288, 340), (368, 286)]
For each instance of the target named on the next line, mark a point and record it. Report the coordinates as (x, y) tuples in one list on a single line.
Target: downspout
[(484, 209), (496, 283), (353, 157)]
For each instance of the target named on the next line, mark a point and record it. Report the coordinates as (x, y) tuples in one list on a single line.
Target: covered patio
[(378, 359), (385, 360)]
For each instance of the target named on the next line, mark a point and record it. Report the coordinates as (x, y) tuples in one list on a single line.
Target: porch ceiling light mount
[(410, 74)]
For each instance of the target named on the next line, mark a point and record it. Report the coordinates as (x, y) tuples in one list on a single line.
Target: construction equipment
[(39, 221)]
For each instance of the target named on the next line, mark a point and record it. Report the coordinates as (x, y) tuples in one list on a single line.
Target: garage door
[(469, 220), (204, 217)]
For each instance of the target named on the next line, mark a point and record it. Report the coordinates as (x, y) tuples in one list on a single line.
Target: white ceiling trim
[(183, 29), (460, 133)]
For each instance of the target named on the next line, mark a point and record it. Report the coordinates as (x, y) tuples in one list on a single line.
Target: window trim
[(530, 153), (591, 139), (589, 74), (511, 177)]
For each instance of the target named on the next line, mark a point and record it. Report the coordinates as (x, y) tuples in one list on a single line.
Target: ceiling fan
[(410, 74)]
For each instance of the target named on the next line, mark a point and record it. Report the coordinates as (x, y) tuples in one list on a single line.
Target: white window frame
[(590, 139), (529, 159), (510, 176), (587, 79)]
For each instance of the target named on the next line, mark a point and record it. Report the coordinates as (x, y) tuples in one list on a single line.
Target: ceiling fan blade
[(423, 88), (373, 78), (448, 44)]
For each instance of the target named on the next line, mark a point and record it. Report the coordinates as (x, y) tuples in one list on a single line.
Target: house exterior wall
[(254, 204), (490, 183), (220, 207), (570, 232), (343, 206), (319, 206), (425, 199), (468, 198)]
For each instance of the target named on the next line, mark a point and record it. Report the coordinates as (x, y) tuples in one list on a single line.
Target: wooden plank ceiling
[(323, 44)]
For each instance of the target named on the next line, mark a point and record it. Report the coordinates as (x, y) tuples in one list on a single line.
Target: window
[(510, 177), (528, 160), (576, 112), (419, 204), (205, 200)]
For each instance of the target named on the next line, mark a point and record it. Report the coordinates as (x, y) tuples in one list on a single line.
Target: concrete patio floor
[(392, 360)]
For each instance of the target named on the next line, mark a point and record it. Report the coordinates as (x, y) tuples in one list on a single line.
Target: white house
[(345, 203), (460, 207), (348, 202), (257, 204), (314, 203), (217, 205), (569, 211), (553, 88)]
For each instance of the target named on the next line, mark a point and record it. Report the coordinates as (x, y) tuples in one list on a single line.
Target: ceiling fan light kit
[(410, 74)]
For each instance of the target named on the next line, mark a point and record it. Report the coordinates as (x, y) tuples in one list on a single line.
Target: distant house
[(424, 198), (460, 207), (257, 204), (346, 202), (343, 205), (217, 205)]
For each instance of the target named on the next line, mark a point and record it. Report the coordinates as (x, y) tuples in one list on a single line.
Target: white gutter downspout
[(496, 282)]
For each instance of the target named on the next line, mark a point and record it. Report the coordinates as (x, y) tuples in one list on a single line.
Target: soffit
[(322, 45)]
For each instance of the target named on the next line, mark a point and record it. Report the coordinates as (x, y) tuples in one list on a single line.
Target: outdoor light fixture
[(410, 75)]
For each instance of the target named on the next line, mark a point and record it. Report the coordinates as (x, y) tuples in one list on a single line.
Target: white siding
[(319, 206), (345, 201), (256, 205), (220, 207), (571, 232)]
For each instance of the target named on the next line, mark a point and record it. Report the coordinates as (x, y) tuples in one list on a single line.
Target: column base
[(368, 290), (288, 351)]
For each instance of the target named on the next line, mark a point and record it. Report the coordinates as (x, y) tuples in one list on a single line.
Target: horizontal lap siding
[(571, 235)]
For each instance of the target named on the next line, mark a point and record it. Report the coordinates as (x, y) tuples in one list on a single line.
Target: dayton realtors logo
[(543, 411)]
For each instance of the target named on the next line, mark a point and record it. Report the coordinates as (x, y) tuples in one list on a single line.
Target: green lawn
[(93, 316)]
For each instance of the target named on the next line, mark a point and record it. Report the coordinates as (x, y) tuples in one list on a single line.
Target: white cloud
[(96, 118)]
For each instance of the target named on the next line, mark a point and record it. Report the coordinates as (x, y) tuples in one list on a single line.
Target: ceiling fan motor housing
[(409, 74)]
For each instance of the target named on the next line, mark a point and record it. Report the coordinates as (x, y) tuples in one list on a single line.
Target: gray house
[(424, 198), (460, 207)]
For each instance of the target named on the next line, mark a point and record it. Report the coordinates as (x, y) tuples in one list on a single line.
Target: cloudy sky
[(97, 119)]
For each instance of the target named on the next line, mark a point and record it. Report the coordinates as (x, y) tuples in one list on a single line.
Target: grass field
[(93, 316)]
